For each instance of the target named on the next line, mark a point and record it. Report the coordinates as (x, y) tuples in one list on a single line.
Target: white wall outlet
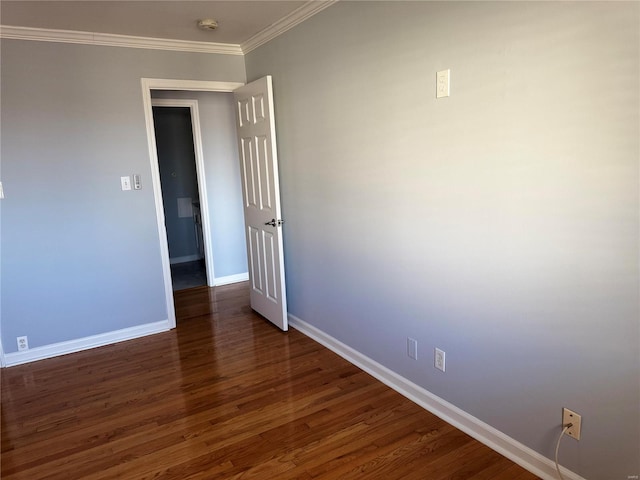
[(443, 83), (1, 191), (438, 359), (412, 348), (23, 343), (572, 417), (125, 182)]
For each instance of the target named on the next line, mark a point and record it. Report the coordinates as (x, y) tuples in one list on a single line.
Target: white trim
[(200, 177), (72, 346), (149, 84), (239, 277), (113, 40), (184, 259), (299, 15), (191, 85), (3, 362), (157, 195), (484, 433), (286, 23)]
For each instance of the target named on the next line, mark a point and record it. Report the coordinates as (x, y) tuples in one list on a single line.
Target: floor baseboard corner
[(515, 451), (229, 279), (86, 343)]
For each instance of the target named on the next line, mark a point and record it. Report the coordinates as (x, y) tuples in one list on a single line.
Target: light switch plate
[(1, 191), (443, 83), (125, 182), (137, 184)]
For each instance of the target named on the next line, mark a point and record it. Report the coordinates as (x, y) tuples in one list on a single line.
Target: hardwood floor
[(224, 396)]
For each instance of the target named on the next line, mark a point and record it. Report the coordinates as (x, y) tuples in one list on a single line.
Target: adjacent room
[(450, 239)]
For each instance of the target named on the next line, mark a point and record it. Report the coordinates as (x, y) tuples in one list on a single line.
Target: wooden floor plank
[(224, 396)]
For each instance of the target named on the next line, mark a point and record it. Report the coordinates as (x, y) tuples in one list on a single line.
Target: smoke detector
[(207, 24)]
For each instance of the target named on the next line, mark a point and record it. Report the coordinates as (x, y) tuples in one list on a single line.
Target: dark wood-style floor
[(224, 396)]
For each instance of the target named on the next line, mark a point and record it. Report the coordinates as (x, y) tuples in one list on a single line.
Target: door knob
[(274, 222)]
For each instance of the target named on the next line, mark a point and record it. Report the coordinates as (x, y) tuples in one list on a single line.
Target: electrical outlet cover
[(439, 359), (23, 343), (412, 348), (569, 416)]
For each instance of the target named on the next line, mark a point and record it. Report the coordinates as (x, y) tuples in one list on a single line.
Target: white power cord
[(564, 430)]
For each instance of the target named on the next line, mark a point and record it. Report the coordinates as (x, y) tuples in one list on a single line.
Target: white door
[(261, 196)]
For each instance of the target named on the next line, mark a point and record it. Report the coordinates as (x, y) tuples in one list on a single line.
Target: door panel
[(264, 170), (259, 169), (255, 272), (268, 248), (248, 176)]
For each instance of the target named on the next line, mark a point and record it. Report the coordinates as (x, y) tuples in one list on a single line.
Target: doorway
[(228, 273), (175, 143)]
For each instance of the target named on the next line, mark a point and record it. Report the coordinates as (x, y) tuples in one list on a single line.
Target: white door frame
[(149, 84), (200, 176)]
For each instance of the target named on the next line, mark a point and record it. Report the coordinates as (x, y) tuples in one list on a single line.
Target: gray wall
[(79, 256), (222, 172), (499, 224)]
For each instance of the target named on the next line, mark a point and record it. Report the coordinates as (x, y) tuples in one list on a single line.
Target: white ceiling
[(238, 20)]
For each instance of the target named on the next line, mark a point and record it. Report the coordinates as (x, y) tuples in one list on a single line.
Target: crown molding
[(113, 40), (286, 23)]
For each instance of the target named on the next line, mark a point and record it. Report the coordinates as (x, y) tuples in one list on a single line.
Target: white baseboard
[(185, 259), (72, 346), (484, 433), (3, 363), (239, 277)]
